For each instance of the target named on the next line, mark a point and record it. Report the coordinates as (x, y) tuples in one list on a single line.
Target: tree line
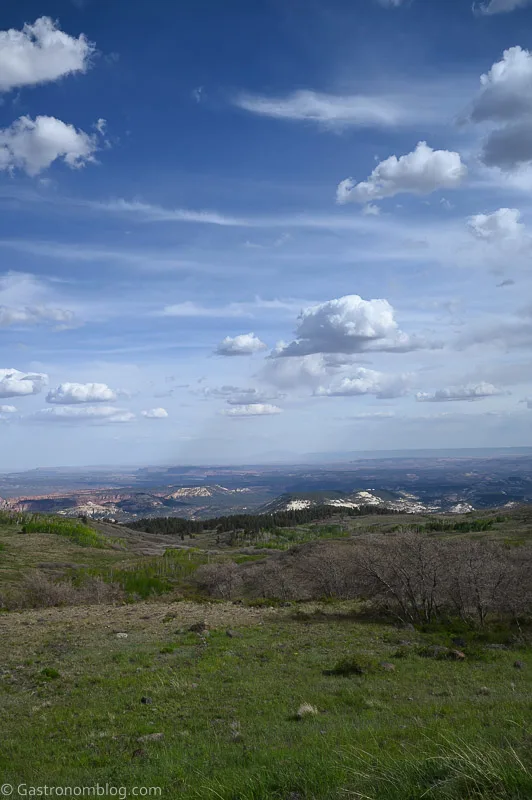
[(249, 522)]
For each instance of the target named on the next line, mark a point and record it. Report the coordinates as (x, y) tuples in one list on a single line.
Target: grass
[(285, 538), (228, 707), (77, 699), (154, 576), (77, 532)]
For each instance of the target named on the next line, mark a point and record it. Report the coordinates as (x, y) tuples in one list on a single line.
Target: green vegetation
[(285, 538), (227, 706), (271, 696), (250, 523), (450, 526), (74, 530), (153, 576)]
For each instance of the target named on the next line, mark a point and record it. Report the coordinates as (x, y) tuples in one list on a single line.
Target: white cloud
[(35, 315), (469, 392), (237, 396), (40, 53), (506, 90), (298, 371), (153, 213), (33, 145), (14, 383), (243, 345), (8, 410), (191, 309), (83, 414), (75, 393), (372, 416), (500, 225), (155, 413), (244, 309), (420, 172), (326, 109), (506, 97), (366, 382), (348, 325), (370, 209), (501, 6), (252, 410)]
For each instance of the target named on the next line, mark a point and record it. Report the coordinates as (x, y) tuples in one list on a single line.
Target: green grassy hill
[(252, 700)]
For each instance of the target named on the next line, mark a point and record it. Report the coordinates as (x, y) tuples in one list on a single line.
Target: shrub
[(38, 590), (49, 674), (351, 665)]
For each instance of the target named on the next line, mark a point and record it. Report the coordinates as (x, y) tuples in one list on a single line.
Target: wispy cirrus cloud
[(83, 415), (252, 410), (328, 110), (189, 308), (500, 6)]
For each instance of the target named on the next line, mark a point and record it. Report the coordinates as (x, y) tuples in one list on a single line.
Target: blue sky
[(243, 231)]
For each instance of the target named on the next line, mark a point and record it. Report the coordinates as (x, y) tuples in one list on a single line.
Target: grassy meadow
[(81, 704), (291, 701)]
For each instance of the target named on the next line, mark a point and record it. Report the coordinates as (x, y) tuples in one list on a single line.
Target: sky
[(240, 232)]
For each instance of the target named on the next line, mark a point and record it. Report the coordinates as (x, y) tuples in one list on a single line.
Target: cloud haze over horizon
[(252, 229)]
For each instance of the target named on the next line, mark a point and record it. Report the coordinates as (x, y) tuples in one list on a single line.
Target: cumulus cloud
[(14, 383), (347, 325), (252, 410), (498, 226), (327, 110), (508, 147), (33, 145), (501, 6), (84, 414), (243, 345), (366, 382), (506, 90), (155, 413), (39, 53), (506, 97), (75, 393), (420, 172), (469, 392), (35, 315), (8, 410), (298, 371)]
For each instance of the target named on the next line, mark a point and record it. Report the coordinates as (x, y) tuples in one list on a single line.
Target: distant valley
[(408, 484)]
